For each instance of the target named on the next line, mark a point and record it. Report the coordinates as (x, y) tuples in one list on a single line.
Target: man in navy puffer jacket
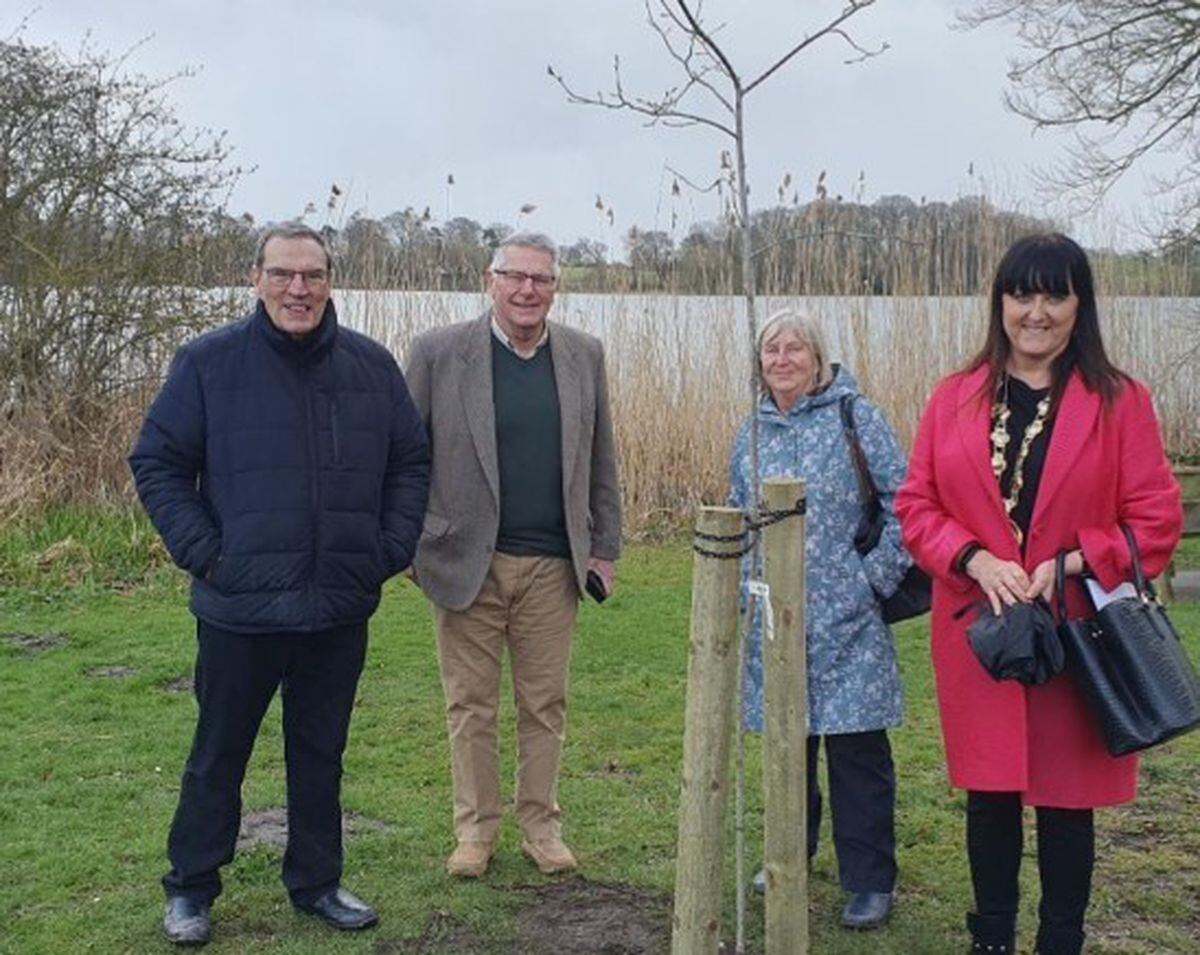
[(287, 470)]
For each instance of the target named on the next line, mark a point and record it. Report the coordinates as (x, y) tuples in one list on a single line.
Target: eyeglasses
[(520, 278), (282, 278)]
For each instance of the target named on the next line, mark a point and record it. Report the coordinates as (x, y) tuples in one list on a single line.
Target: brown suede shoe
[(469, 860), (551, 855)]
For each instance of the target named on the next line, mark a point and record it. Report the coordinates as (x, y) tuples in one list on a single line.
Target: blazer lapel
[(1073, 424), (568, 382), (475, 387), (974, 427)]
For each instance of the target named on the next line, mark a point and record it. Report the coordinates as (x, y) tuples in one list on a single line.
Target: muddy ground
[(35, 642), (268, 827), (576, 916)]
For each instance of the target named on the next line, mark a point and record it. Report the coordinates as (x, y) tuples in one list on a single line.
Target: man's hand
[(607, 570)]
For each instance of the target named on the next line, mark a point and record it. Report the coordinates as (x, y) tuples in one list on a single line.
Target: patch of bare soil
[(443, 934), (111, 672), (595, 918), (181, 684), (268, 827), (575, 917), (613, 769), (35, 642)]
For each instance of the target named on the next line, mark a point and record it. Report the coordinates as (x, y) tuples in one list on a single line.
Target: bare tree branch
[(664, 111), (1124, 75), (830, 29)]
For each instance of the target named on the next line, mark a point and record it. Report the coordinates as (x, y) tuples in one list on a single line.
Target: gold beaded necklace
[(1000, 438)]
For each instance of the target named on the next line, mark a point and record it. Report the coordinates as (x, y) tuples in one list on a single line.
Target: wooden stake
[(785, 727), (708, 727)]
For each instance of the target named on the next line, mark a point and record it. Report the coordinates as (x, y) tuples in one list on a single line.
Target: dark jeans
[(862, 802), (236, 677), (1066, 845)]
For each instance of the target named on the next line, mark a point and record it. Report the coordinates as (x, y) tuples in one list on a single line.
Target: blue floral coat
[(853, 677)]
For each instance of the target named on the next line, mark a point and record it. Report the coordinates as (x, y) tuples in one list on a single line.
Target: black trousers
[(1066, 846), (236, 677), (862, 803)]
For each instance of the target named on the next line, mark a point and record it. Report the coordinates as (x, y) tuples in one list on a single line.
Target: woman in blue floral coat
[(854, 691)]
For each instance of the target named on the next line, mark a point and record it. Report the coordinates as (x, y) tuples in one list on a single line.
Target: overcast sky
[(387, 99)]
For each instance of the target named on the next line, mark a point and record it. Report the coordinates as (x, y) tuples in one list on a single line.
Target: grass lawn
[(93, 740)]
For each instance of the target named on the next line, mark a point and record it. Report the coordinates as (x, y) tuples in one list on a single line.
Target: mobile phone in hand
[(595, 587)]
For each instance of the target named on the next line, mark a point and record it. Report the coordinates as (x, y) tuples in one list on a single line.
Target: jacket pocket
[(379, 558), (217, 573), (334, 429), (435, 526)]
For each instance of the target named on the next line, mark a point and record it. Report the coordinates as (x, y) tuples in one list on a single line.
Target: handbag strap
[(1139, 578), (866, 483), (1144, 588), (1060, 581)]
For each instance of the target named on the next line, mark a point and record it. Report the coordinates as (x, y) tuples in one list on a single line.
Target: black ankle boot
[(1058, 941), (994, 934)]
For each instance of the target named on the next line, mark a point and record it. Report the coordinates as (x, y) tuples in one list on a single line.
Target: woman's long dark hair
[(1052, 264)]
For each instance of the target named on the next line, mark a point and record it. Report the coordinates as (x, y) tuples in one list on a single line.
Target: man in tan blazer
[(523, 505)]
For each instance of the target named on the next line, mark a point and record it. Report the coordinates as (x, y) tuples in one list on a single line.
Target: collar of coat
[(316, 343), (841, 384)]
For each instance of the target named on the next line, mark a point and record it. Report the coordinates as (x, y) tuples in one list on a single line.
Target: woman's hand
[(1041, 583), (1004, 582)]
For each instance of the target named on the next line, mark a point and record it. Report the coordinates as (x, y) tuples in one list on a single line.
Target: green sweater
[(529, 448)]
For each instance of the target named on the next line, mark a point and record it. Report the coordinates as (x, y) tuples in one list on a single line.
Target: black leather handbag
[(914, 595), (1131, 665)]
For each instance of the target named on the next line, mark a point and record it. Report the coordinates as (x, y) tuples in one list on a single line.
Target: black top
[(529, 452), (1022, 402)]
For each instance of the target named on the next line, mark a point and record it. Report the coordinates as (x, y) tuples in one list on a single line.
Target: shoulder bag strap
[(866, 482)]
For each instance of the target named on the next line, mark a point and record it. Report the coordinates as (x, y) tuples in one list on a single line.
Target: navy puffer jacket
[(289, 477)]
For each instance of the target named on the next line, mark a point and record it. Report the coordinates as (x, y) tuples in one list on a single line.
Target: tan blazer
[(449, 373)]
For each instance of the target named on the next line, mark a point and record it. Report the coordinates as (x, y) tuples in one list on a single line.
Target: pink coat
[(1103, 466)]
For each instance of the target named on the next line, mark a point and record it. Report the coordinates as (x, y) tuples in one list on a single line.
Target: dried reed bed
[(678, 369), (56, 451)]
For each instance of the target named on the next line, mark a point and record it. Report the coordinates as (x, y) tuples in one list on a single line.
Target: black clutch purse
[(1132, 667), (1020, 644)]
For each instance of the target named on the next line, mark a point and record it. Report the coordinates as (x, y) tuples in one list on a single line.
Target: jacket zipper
[(314, 490)]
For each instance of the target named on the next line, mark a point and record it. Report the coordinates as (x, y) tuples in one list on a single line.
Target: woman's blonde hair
[(787, 320)]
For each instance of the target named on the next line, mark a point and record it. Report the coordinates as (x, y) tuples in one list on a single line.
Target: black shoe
[(1058, 941), (867, 910), (187, 921), (340, 909), (992, 934)]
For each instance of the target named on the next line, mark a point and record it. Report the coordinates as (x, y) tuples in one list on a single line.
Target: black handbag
[(1021, 643), (1131, 665), (914, 595)]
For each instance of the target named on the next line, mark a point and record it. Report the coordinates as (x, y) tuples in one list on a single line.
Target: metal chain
[(766, 519)]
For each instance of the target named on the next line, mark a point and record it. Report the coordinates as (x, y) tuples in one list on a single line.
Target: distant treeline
[(894, 246)]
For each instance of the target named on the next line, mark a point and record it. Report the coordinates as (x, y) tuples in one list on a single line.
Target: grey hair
[(526, 240), (291, 230), (787, 320)]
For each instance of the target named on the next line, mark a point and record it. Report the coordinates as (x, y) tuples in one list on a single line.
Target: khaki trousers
[(528, 604)]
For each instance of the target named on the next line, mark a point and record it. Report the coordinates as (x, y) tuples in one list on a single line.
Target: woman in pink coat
[(1040, 445)]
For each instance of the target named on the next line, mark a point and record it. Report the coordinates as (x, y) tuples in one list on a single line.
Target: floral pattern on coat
[(853, 676)]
